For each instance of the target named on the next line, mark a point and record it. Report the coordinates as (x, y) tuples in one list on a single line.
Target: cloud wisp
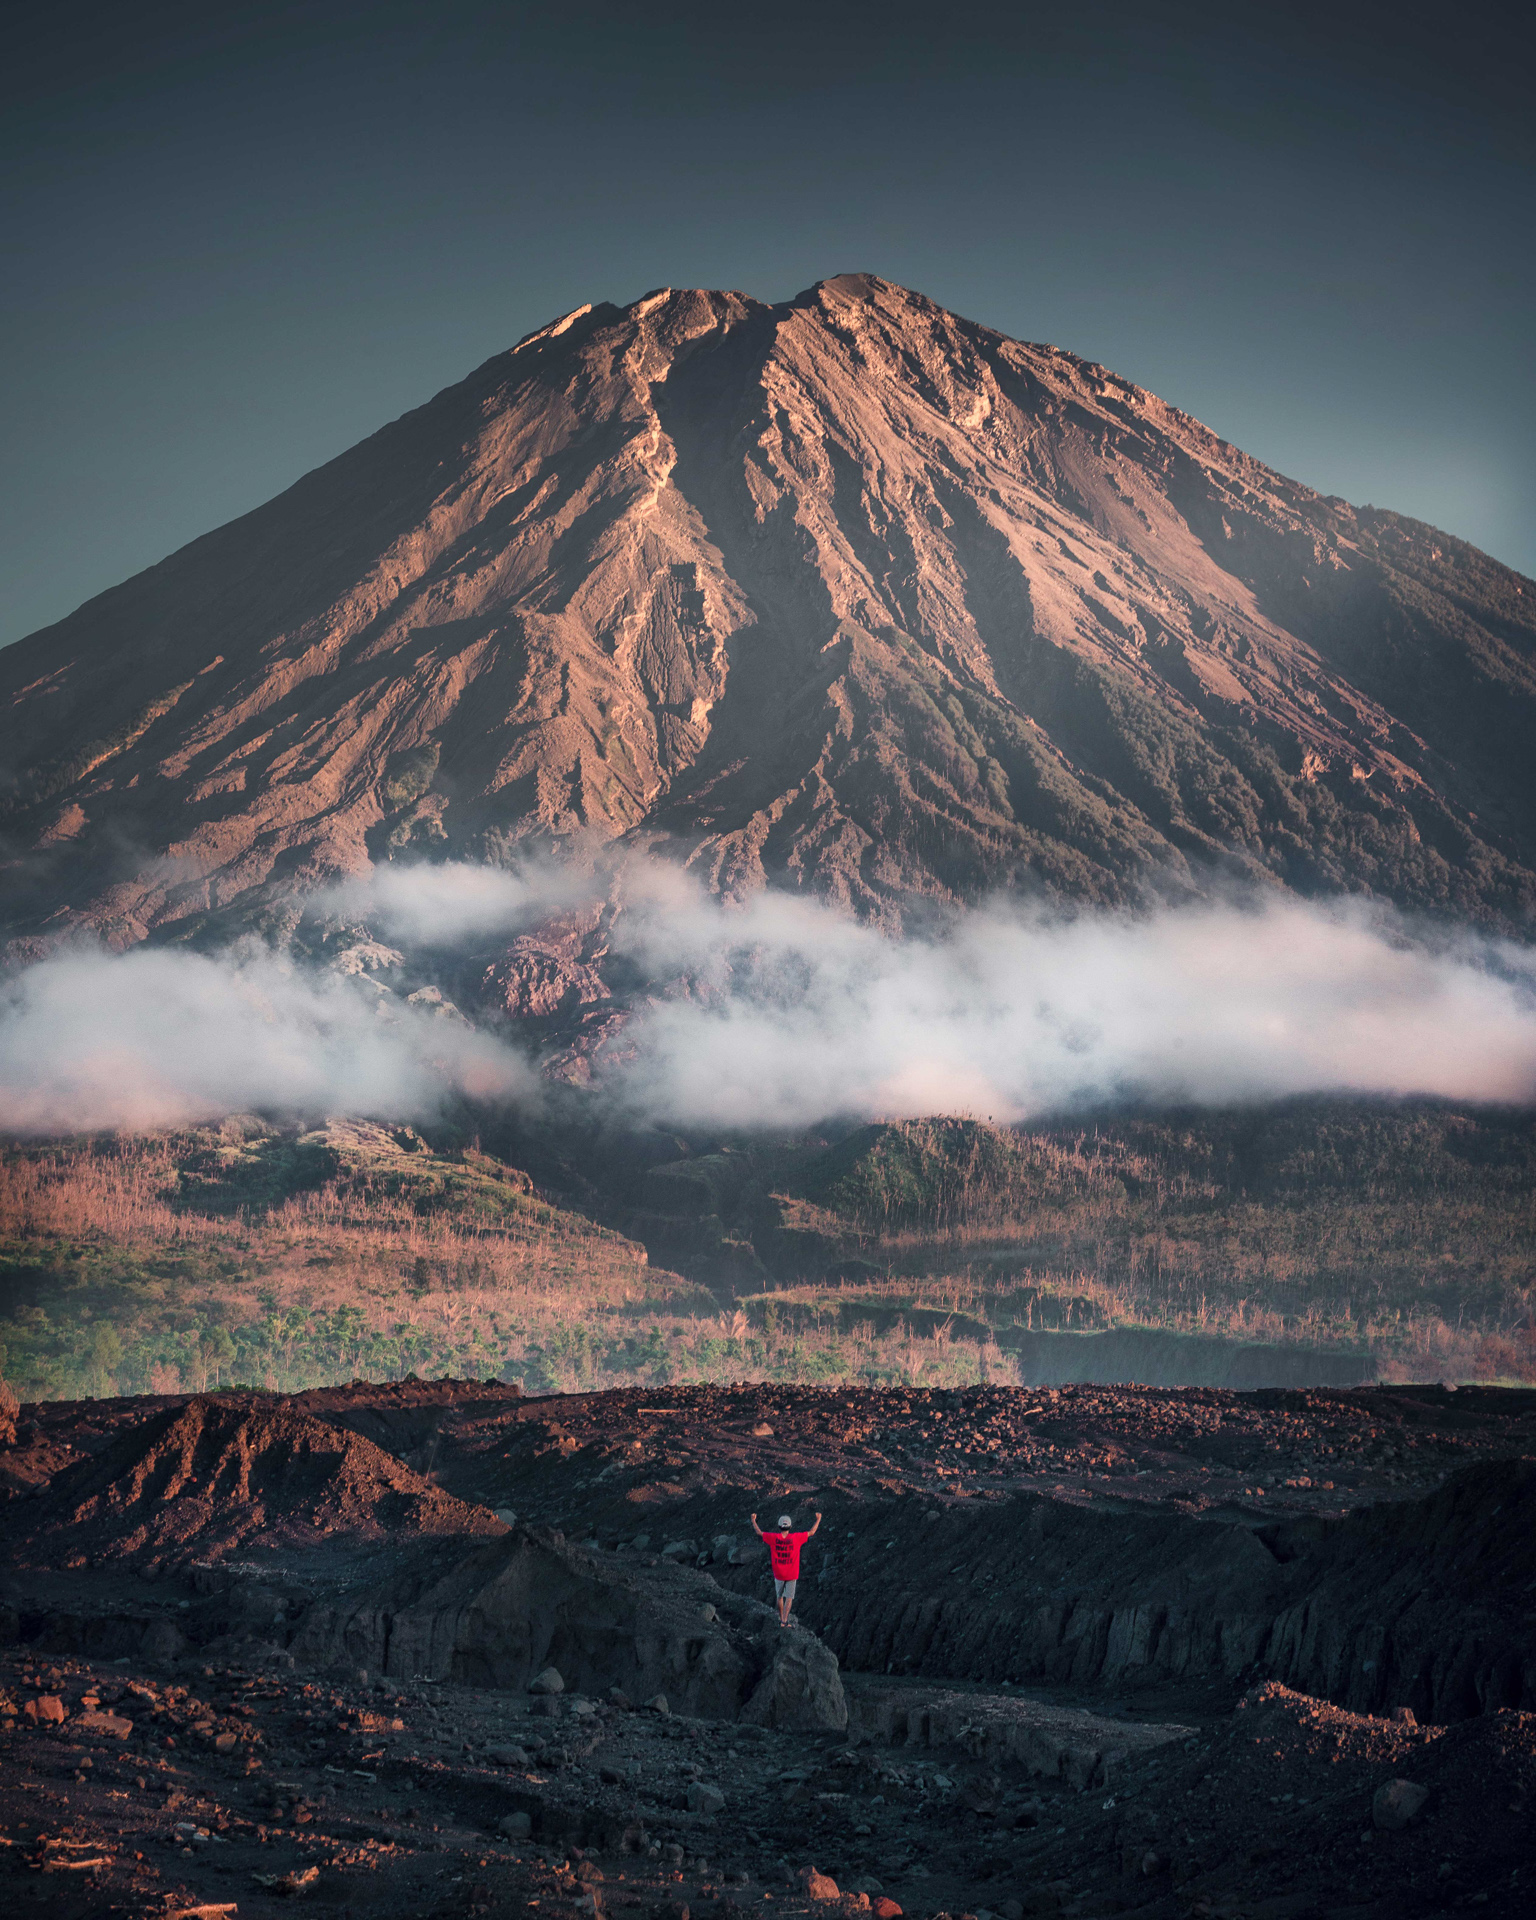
[(780, 1012), (452, 904), (794, 1013), (154, 1038)]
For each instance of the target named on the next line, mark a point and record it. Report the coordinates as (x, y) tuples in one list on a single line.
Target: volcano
[(846, 594)]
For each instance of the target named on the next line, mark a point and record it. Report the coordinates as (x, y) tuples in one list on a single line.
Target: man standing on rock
[(784, 1551)]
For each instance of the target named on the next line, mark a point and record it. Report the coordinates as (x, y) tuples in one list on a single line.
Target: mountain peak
[(846, 594)]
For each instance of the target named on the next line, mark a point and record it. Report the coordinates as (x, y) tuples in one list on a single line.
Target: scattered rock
[(516, 1826), (818, 1886), (46, 1710), (703, 1799), (658, 1703), (549, 1681), (299, 1880), (883, 1907)]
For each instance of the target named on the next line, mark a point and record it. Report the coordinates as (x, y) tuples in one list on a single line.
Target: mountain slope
[(847, 593)]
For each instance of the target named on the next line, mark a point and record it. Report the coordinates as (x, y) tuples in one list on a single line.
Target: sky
[(239, 239)]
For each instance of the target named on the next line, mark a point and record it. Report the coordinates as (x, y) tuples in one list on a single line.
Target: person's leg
[(788, 1601)]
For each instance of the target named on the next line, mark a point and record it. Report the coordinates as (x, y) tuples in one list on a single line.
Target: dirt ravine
[(440, 1648)]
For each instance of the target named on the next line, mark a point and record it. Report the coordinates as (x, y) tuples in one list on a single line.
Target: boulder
[(801, 1688), (703, 1799), (46, 1710), (162, 1642), (818, 1886), (516, 1826), (1396, 1803), (549, 1681)]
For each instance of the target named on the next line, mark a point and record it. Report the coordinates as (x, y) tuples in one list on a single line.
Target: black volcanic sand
[(1112, 1678)]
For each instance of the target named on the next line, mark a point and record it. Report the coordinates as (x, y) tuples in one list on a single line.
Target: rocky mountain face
[(847, 594)]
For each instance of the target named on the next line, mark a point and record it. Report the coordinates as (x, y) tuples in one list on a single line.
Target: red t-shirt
[(784, 1551)]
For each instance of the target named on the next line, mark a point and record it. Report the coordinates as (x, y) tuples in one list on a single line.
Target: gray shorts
[(785, 1589)]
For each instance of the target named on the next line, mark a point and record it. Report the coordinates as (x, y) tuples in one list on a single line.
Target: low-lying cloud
[(795, 1013), (781, 1011), (154, 1038)]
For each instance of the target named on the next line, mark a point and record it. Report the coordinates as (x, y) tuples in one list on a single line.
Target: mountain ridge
[(846, 593)]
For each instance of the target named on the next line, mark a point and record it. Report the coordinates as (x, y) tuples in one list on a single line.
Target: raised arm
[(755, 1527), (817, 1524)]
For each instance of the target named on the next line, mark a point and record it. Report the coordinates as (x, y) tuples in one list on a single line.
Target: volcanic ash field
[(438, 1648)]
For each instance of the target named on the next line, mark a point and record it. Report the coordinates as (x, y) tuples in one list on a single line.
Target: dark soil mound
[(202, 1479), (515, 1606), (1284, 1796), (410, 1418)]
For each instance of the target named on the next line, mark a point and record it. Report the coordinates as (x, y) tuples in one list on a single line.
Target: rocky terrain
[(848, 594), (443, 1648)]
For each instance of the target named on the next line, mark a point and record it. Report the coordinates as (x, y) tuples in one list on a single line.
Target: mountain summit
[(849, 594)]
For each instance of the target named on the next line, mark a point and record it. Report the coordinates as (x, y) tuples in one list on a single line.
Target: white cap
[(786, 1520)]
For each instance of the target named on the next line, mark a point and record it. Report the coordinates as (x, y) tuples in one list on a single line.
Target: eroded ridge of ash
[(441, 1648), (201, 1480)]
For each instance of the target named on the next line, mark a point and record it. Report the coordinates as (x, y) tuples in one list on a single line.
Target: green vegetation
[(256, 1256), (53, 779), (921, 1250), (249, 1254), (409, 775), (1409, 1228)]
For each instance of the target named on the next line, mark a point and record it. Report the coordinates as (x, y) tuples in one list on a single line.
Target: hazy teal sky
[(236, 240)]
